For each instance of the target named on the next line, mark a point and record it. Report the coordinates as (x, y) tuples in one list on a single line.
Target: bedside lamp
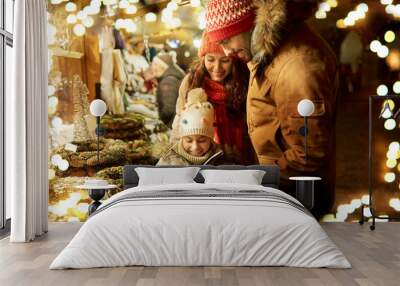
[(305, 108), (305, 184), (98, 108)]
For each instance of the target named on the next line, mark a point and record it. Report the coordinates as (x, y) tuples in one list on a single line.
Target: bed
[(201, 224)]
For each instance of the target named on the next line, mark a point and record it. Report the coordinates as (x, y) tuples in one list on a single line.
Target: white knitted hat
[(197, 118)]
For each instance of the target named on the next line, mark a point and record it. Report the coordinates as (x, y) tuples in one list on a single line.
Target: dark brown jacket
[(291, 63)]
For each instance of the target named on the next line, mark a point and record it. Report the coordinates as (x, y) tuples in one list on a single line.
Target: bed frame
[(270, 179)]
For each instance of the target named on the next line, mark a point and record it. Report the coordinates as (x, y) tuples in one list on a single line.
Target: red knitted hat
[(228, 18), (208, 46)]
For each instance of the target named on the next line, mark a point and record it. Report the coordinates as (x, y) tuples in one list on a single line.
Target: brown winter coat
[(291, 63)]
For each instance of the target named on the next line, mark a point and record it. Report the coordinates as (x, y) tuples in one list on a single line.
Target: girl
[(195, 144)]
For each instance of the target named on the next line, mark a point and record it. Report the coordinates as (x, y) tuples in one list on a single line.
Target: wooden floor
[(375, 257)]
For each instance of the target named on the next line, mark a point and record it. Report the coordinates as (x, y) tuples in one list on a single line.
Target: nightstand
[(305, 190)]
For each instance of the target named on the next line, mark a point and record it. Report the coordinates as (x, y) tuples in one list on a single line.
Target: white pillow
[(248, 177), (163, 176)]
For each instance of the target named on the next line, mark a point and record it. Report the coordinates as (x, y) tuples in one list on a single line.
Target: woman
[(225, 82)]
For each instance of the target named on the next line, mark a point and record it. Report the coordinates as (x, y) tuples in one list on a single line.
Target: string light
[(92, 10), (383, 52), (79, 30), (394, 146), (81, 15), (340, 24), (55, 159), (390, 9), (173, 6), (375, 45), (119, 24), (63, 165), (395, 203), (387, 113), (131, 9), (391, 163), (175, 23), (88, 22), (95, 3), (396, 87), (123, 4), (167, 16), (390, 124), (382, 90), (392, 155), (150, 17), (71, 19), (70, 7), (56, 122), (390, 36), (130, 26), (197, 43), (353, 16), (53, 101), (390, 177), (195, 3), (127, 24), (324, 8)]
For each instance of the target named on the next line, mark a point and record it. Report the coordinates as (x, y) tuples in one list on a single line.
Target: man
[(288, 62), (170, 76)]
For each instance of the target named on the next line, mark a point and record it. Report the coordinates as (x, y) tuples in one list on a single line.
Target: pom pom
[(196, 95)]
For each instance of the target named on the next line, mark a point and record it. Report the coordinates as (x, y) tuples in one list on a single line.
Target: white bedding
[(202, 231)]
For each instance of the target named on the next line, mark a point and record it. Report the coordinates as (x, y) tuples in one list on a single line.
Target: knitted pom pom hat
[(198, 116), (228, 18)]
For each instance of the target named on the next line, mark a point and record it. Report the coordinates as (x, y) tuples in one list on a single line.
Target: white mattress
[(206, 231)]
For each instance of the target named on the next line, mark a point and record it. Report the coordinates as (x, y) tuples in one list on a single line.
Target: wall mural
[(119, 51)]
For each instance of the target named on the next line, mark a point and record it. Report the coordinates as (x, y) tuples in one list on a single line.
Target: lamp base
[(96, 195), (305, 193)]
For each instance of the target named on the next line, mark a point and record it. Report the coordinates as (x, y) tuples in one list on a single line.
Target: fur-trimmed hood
[(274, 20)]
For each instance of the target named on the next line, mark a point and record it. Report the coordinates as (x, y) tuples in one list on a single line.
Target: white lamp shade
[(305, 107), (98, 107)]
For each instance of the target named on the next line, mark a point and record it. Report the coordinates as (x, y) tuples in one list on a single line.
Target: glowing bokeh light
[(390, 177), (390, 124), (390, 36)]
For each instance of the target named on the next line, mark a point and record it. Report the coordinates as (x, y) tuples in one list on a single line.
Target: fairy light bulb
[(79, 30), (70, 7)]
